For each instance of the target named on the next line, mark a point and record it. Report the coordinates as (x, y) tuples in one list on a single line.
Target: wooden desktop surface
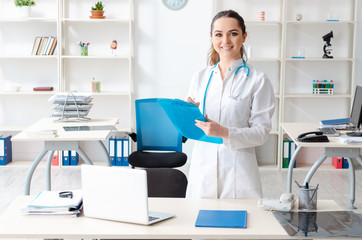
[(295, 129), (261, 224), (62, 135)]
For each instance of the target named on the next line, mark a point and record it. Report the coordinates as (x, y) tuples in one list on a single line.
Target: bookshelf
[(66, 70), (292, 79)]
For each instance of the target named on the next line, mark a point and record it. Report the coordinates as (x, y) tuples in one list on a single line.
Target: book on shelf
[(44, 45), (36, 45), (52, 47), (46, 48)]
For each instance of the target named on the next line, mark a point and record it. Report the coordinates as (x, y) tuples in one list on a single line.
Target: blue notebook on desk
[(221, 218), (183, 115), (335, 121)]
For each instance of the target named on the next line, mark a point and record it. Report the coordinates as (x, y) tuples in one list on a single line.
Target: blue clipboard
[(183, 115)]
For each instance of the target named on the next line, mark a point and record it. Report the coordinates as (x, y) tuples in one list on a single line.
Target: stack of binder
[(119, 151), (5, 150), (70, 158), (289, 148), (71, 105)]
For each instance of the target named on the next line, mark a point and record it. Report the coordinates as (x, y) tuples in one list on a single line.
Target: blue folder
[(183, 115), (221, 218), (336, 121)]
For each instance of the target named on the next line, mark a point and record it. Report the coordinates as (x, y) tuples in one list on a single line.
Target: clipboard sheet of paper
[(183, 115)]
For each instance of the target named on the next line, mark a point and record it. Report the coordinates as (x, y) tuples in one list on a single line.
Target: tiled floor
[(333, 184)]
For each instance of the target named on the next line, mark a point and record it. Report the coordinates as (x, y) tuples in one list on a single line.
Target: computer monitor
[(355, 118)]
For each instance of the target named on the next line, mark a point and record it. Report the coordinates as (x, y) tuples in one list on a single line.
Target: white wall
[(170, 46), (359, 46)]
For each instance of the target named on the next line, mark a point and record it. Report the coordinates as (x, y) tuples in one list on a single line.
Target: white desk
[(65, 140), (333, 148), (260, 224)]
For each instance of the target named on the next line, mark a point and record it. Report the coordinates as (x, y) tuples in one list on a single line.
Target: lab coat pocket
[(238, 111)]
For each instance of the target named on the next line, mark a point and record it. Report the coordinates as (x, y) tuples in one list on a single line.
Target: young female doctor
[(238, 102)]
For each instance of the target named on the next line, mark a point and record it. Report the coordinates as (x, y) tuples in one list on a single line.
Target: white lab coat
[(230, 170)]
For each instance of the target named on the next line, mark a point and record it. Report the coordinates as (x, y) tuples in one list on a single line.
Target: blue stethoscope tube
[(212, 72)]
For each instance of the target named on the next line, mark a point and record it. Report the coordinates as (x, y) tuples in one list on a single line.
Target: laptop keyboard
[(150, 218), (329, 131)]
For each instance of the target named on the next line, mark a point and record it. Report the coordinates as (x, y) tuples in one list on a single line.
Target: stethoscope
[(232, 83)]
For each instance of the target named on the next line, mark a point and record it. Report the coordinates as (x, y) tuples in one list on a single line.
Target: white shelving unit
[(66, 70), (273, 43)]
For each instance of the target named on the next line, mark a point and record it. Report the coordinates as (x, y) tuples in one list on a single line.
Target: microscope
[(327, 48)]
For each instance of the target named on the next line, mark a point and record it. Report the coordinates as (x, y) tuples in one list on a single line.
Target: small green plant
[(21, 3), (99, 6)]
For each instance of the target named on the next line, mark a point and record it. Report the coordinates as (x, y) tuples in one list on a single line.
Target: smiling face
[(227, 38)]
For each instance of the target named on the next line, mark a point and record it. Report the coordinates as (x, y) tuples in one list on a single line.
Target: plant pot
[(24, 11), (97, 14)]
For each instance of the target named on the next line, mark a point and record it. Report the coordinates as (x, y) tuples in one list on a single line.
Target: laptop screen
[(355, 118)]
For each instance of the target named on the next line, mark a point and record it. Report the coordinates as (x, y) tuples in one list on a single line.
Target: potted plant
[(97, 11), (24, 7)]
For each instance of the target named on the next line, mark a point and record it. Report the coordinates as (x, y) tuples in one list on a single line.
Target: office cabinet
[(288, 47), (66, 70)]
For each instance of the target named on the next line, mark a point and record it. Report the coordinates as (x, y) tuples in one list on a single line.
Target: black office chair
[(166, 182), (159, 144)]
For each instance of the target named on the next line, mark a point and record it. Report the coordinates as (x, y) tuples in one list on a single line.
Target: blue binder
[(221, 218), (73, 158), (125, 152), (66, 159), (183, 115), (119, 152), (345, 163), (112, 151), (5, 150)]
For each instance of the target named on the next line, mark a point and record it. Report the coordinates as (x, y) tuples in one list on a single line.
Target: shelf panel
[(29, 93), (320, 59), (320, 22), (317, 95), (27, 20), (69, 20), (96, 57), (263, 23), (264, 59), (36, 57), (125, 93)]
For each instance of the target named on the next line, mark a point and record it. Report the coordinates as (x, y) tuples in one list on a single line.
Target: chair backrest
[(155, 130), (166, 182)]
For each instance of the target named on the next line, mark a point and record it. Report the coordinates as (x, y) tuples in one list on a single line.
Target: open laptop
[(119, 194), (354, 120)]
